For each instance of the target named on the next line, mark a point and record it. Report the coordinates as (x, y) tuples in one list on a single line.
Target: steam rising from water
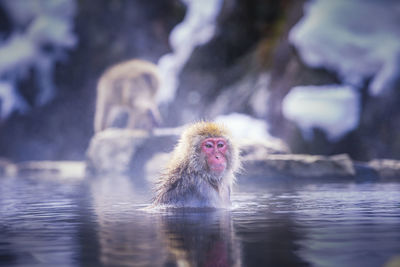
[(196, 29)]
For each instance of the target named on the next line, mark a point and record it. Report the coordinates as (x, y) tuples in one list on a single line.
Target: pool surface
[(101, 222)]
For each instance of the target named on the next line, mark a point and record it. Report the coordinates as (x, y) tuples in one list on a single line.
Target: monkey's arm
[(175, 188), (103, 105), (99, 113), (166, 190)]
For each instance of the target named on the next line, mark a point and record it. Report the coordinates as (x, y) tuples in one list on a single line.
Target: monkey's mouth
[(218, 168), (217, 164)]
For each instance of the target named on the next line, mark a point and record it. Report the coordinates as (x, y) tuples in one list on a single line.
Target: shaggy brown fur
[(187, 181)]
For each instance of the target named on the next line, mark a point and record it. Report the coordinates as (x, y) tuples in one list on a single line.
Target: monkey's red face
[(215, 153)]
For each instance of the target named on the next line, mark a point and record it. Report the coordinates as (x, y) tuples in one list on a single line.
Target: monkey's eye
[(220, 145), (208, 145)]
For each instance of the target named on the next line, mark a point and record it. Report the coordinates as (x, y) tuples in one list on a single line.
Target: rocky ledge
[(125, 151), (299, 166), (386, 169), (70, 170), (7, 168), (142, 155), (55, 170)]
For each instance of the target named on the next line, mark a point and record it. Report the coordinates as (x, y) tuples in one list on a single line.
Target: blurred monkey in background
[(126, 97)]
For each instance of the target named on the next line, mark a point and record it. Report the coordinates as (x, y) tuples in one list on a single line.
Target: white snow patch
[(10, 100), (357, 39), (44, 31), (332, 108), (244, 126)]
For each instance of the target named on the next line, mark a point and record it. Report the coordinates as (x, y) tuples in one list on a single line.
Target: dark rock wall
[(248, 66), (251, 42), (229, 57)]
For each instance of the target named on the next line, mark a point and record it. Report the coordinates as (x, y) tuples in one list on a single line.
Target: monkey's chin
[(217, 169), (215, 178)]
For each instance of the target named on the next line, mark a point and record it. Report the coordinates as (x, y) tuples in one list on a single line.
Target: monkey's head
[(208, 149)]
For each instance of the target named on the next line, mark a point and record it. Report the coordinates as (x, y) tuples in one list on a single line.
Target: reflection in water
[(267, 229), (349, 224), (125, 234), (200, 238), (129, 234), (103, 223)]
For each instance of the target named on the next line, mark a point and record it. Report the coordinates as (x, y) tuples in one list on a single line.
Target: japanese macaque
[(126, 97), (202, 169)]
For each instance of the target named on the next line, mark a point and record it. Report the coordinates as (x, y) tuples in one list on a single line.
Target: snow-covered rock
[(126, 152), (244, 126), (44, 30), (300, 166), (252, 135), (335, 109), (7, 168), (388, 169), (356, 39), (54, 170), (112, 150)]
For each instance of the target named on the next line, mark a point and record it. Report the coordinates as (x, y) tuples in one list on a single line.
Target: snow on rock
[(333, 108), (357, 39), (10, 100), (245, 126), (196, 29), (44, 29), (252, 135)]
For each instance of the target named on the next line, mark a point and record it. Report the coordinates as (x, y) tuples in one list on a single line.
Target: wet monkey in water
[(126, 96), (202, 169)]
